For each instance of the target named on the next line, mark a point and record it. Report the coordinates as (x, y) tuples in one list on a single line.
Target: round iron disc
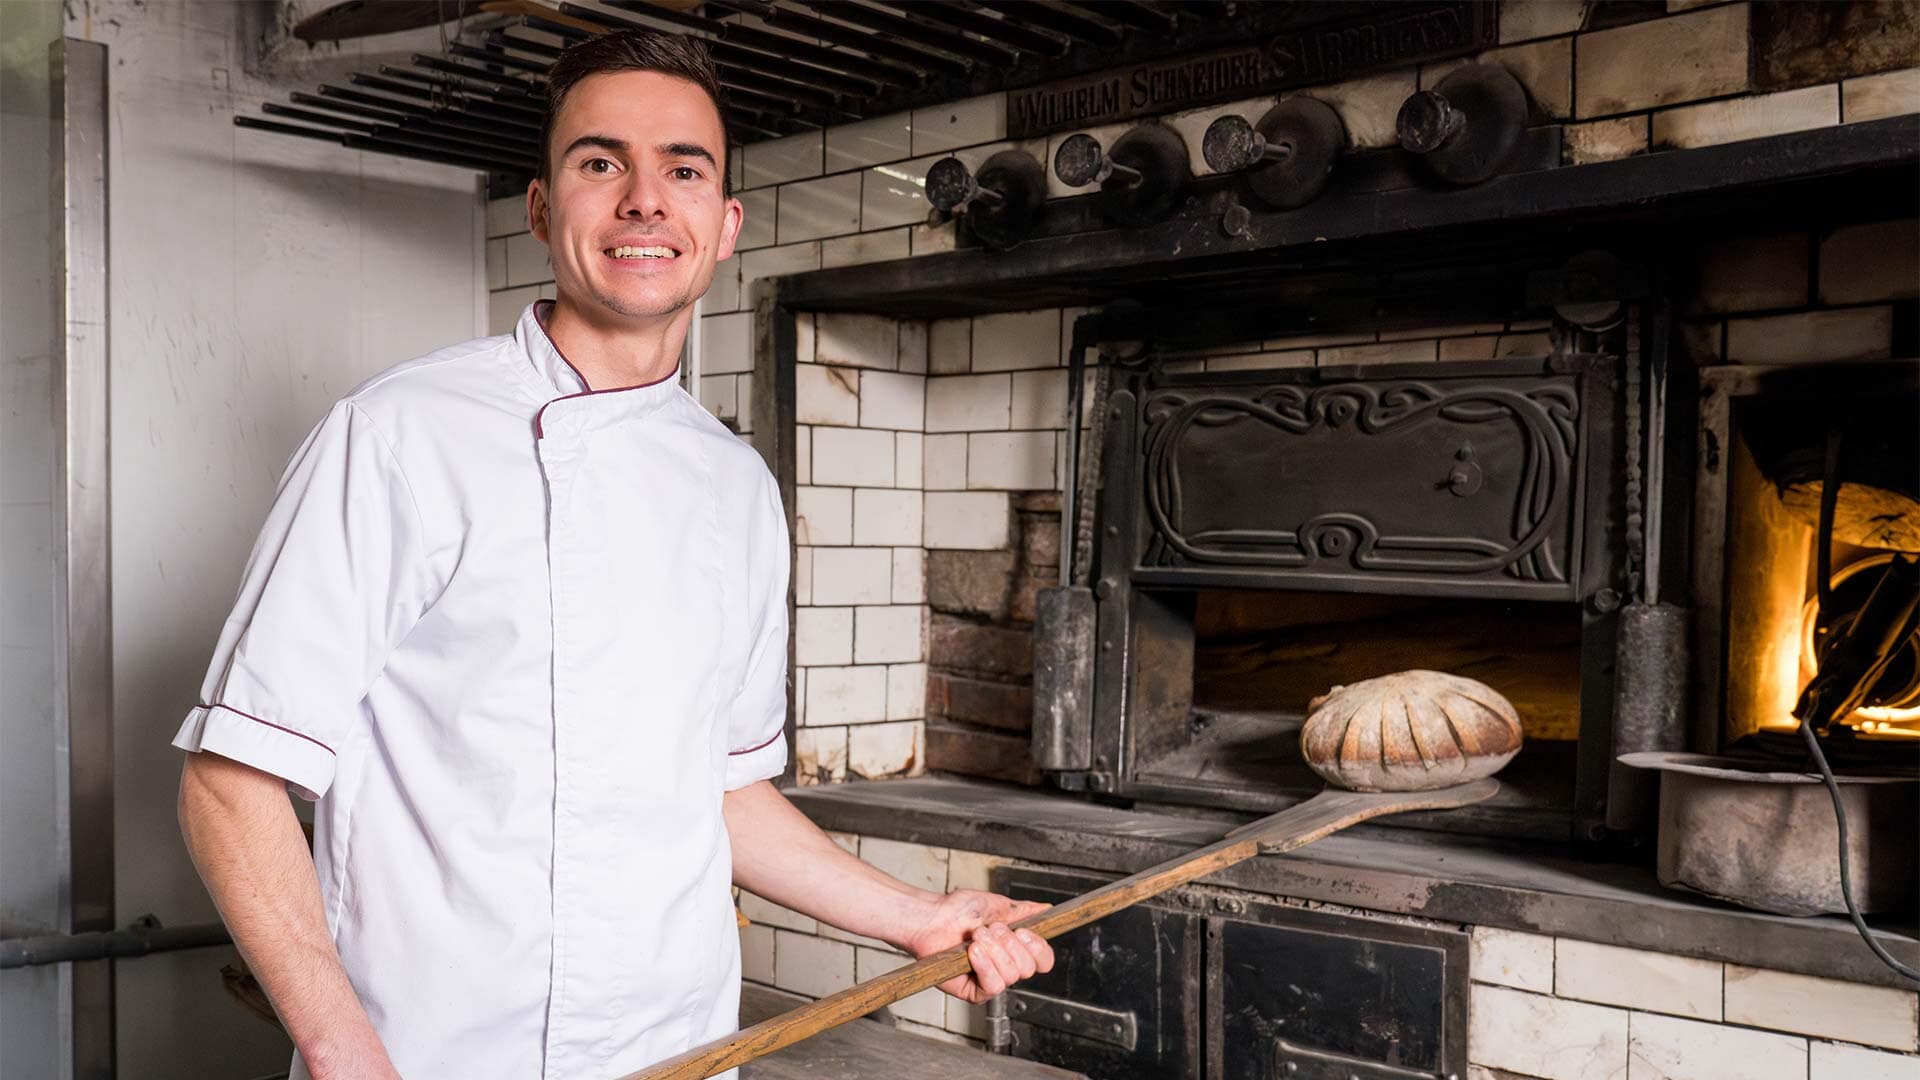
[(1022, 183), (1314, 131), (1160, 154), (1495, 109)]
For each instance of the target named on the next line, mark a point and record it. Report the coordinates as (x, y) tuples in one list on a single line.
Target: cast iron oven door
[(1266, 535)]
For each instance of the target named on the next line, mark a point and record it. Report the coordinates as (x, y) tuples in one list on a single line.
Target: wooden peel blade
[(1295, 827)]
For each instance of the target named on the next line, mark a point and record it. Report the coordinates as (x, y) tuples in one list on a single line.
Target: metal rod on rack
[(775, 45), (905, 27), (449, 123), (920, 59), (487, 106), (1056, 18), (1009, 31), (387, 146)]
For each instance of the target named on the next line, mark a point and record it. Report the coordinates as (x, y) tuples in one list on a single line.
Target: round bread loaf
[(1409, 731)]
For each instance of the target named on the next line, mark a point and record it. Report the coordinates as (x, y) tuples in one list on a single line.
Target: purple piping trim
[(275, 726), (539, 427), (762, 746)]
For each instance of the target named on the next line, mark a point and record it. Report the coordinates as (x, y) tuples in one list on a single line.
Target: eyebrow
[(685, 149), (620, 146)]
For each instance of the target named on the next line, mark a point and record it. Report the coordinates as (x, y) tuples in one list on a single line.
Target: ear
[(730, 221), (537, 210)]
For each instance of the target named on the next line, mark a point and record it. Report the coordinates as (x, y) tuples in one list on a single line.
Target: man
[(517, 620)]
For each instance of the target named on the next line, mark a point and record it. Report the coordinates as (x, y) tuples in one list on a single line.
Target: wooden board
[(870, 1050)]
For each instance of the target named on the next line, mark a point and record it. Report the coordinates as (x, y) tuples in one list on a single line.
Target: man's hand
[(1000, 956)]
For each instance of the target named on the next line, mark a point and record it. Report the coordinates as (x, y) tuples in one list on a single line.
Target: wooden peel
[(1295, 827)]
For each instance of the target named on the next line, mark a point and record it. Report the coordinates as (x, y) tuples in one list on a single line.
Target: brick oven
[(1475, 424)]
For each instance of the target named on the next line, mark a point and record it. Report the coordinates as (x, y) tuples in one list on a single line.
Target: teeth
[(630, 252)]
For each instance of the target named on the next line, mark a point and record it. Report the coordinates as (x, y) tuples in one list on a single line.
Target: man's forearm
[(782, 856), (246, 842)]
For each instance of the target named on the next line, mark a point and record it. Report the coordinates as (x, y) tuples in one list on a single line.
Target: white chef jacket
[(517, 638)]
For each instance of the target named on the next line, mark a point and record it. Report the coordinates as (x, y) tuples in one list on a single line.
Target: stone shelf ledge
[(1469, 880)]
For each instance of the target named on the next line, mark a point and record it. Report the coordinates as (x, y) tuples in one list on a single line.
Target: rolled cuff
[(305, 763), (757, 763)]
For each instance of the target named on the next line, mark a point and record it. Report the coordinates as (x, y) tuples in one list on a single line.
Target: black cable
[(1846, 880), (1829, 497)]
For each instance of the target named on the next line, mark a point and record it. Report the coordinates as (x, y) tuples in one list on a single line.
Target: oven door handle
[(1296, 1062), (1109, 1026)]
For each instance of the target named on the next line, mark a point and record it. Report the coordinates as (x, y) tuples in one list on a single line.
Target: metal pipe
[(527, 88), (1058, 19), (517, 167), (459, 86), (498, 56), (82, 493), (450, 123), (776, 46), (902, 26), (1141, 16), (528, 116), (1014, 34), (794, 65), (506, 39), (145, 936), (388, 146), (459, 143), (380, 107), (919, 60), (418, 103), (1070, 495), (272, 109)]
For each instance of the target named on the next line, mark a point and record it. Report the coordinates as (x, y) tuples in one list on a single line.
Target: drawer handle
[(1109, 1026)]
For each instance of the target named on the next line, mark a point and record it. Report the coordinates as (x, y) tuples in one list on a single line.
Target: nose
[(644, 198)]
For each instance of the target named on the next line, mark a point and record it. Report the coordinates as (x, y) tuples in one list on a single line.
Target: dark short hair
[(632, 50)]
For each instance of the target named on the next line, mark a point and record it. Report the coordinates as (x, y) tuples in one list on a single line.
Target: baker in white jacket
[(517, 620)]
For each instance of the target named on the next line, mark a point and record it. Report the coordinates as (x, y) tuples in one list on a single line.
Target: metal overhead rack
[(785, 66)]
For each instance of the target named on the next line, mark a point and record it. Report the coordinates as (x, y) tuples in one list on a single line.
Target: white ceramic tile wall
[(952, 416)]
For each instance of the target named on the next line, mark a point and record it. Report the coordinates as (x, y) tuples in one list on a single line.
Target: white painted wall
[(253, 279)]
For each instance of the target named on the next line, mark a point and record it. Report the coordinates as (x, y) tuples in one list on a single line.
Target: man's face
[(632, 211)]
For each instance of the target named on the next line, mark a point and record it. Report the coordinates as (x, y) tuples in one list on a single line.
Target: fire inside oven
[(1782, 633)]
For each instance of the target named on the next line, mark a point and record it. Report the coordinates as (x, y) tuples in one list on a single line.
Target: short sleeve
[(335, 580), (757, 719)]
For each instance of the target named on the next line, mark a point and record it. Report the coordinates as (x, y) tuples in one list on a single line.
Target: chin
[(647, 304)]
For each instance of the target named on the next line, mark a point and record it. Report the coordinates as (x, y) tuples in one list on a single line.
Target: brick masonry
[(963, 419)]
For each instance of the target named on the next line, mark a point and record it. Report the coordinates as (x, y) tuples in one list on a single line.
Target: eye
[(685, 172), (598, 165)]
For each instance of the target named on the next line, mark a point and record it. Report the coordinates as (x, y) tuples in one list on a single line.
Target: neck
[(611, 352)]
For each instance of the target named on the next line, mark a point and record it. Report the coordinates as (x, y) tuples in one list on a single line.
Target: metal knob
[(1232, 144), (1001, 200), (952, 187), (1081, 160), (1427, 121)]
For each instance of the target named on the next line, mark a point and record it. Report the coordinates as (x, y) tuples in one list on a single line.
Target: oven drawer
[(1212, 983), (1294, 994), (1123, 999)]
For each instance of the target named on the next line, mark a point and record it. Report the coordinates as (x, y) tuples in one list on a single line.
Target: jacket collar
[(565, 386)]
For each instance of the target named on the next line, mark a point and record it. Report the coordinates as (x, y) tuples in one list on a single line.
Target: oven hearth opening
[(1260, 658)]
